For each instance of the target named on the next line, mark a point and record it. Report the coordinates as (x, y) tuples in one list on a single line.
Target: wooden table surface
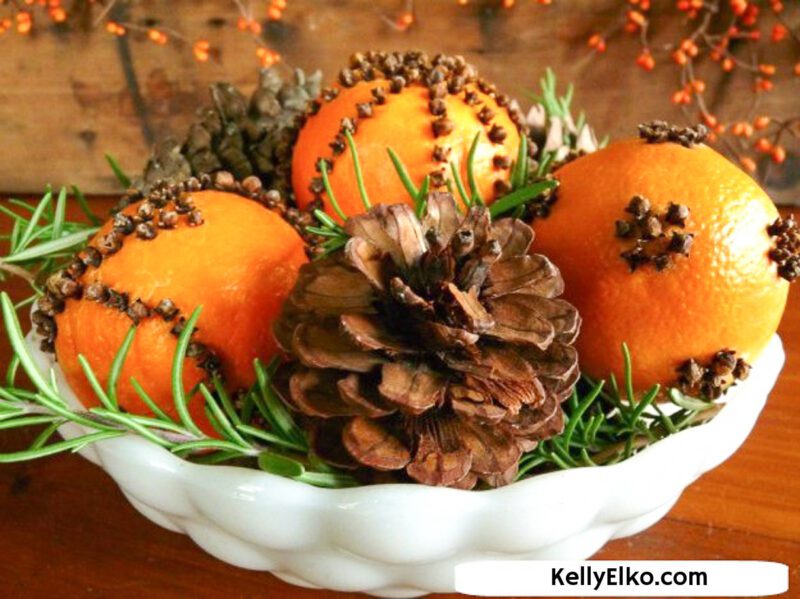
[(67, 531)]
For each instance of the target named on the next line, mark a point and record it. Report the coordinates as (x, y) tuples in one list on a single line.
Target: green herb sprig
[(604, 425), (41, 237)]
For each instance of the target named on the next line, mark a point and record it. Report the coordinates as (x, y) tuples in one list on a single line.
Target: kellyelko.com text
[(597, 577), (506, 578)]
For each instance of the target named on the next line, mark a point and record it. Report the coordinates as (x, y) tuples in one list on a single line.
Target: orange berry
[(597, 42), (778, 154), (267, 57), (637, 18), (681, 97), (763, 145), (764, 85), (767, 69), (710, 120), (779, 33), (748, 164), (24, 23), (58, 14), (698, 85), (689, 47), (797, 69), (201, 49), (738, 7), (646, 60), (679, 56), (157, 37), (727, 65)]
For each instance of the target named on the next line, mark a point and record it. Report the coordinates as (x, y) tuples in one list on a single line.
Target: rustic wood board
[(67, 99)]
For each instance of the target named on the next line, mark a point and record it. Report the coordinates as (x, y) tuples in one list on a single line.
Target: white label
[(622, 578)]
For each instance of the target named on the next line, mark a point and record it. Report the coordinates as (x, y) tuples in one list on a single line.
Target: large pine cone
[(438, 348), (243, 136)]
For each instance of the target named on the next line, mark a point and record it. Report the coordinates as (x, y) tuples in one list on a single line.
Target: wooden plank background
[(65, 99)]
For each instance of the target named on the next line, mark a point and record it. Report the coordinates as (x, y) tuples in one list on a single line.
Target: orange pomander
[(428, 112), (668, 248), (152, 266)]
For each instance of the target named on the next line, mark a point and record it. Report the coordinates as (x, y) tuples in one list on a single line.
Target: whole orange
[(429, 121), (239, 264), (725, 294)]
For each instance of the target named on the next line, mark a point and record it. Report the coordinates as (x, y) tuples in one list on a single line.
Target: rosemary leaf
[(327, 480), (475, 197), (519, 197), (46, 434), (123, 179), (272, 409), (460, 185), (116, 366), (421, 200), (402, 172), (59, 213), (95, 384), (84, 206), (154, 408), (178, 392), (67, 242), (323, 169), (30, 228), (60, 447), (226, 428), (280, 465), (270, 437), (519, 174), (362, 190)]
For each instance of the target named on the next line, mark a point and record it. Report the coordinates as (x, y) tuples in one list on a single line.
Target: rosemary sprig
[(604, 426), (42, 239), (278, 447)]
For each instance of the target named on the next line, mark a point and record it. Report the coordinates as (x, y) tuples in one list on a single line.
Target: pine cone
[(245, 137), (438, 348), (558, 134)]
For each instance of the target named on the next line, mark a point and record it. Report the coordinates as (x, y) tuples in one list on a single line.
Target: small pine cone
[(436, 349), (246, 136)]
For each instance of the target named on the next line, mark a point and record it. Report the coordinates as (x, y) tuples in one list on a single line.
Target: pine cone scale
[(411, 388), (374, 445)]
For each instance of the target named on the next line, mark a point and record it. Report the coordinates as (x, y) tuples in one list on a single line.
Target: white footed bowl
[(404, 540)]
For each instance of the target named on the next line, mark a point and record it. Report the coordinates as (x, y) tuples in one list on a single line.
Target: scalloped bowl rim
[(404, 539)]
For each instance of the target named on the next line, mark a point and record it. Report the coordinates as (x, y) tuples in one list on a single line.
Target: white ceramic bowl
[(404, 540)]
